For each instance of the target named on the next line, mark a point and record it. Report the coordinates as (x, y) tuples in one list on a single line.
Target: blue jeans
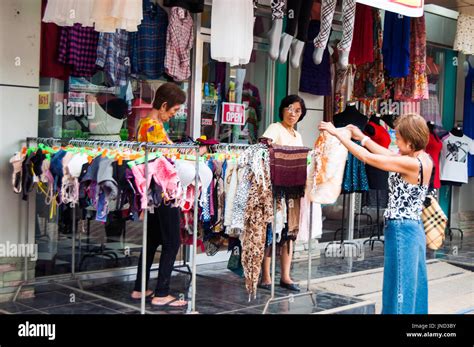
[(405, 281)]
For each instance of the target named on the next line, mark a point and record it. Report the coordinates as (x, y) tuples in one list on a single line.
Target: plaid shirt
[(147, 45), (112, 56), (179, 39), (78, 48)]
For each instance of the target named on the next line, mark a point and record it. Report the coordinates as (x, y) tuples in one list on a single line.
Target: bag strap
[(421, 171), (431, 183)]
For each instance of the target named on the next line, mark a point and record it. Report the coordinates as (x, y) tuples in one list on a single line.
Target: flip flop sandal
[(168, 304)]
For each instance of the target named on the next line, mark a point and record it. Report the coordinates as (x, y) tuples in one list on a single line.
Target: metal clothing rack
[(342, 242), (372, 238), (308, 290), (272, 297), (449, 229), (117, 144)]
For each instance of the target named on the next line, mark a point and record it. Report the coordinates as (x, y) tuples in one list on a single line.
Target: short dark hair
[(169, 93), (287, 101)]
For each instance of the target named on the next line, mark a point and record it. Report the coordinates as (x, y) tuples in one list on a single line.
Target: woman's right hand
[(356, 133)]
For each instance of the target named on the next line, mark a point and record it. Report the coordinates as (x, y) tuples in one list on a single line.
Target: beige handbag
[(434, 221)]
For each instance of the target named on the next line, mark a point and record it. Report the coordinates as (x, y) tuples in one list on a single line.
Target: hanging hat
[(204, 141)]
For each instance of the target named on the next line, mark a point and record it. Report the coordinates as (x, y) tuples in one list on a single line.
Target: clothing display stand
[(450, 230), (358, 215), (73, 277), (342, 243), (372, 238), (272, 297), (290, 296)]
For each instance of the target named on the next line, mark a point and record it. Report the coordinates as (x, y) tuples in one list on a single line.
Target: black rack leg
[(372, 238), (341, 243)]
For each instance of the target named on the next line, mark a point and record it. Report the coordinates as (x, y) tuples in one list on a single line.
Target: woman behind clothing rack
[(292, 110), (163, 224), (405, 283)]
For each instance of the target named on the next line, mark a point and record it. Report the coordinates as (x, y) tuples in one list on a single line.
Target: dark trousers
[(163, 229), (299, 15)]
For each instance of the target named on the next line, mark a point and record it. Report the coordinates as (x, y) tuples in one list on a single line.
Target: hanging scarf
[(288, 170)]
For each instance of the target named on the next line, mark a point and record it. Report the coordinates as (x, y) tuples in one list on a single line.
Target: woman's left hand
[(329, 127)]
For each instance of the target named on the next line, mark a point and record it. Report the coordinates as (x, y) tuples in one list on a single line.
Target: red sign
[(233, 113)]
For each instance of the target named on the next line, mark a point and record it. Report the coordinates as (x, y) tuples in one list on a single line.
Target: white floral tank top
[(405, 200)]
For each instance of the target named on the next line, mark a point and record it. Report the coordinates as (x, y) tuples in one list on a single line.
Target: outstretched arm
[(371, 145), (391, 163)]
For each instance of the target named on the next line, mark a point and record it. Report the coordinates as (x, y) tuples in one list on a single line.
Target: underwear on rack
[(17, 161), (56, 168)]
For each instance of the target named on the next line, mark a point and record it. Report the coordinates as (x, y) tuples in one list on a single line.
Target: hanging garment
[(362, 49), (378, 179), (228, 44), (78, 48), (369, 78), (206, 194), (220, 196), (107, 185), (110, 15), (415, 86), (328, 162), (17, 177), (344, 87), (50, 36), (69, 12), (396, 44), (355, 176), (454, 158), (378, 133), (315, 79), (430, 108), (465, 27), (230, 186), (193, 6), (179, 41), (240, 201), (148, 44), (375, 197), (293, 218), (300, 11), (278, 9), (328, 8), (288, 166), (434, 150), (258, 213), (469, 113), (305, 223), (112, 57)]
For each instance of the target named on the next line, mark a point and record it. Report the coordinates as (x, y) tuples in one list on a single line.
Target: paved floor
[(221, 291)]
